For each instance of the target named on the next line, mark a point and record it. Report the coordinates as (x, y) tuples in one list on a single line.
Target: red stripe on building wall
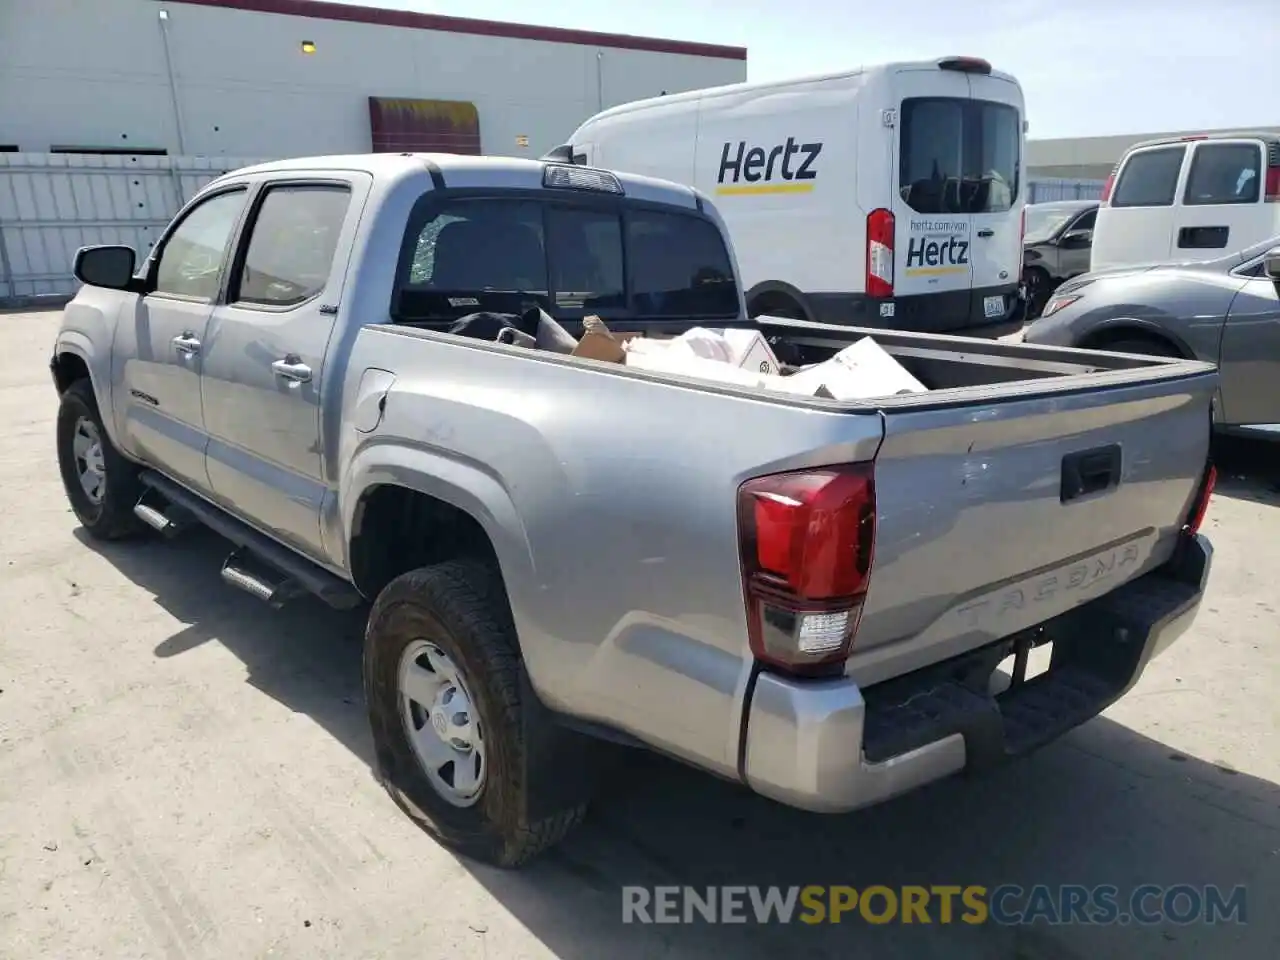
[(401, 125), (316, 9)]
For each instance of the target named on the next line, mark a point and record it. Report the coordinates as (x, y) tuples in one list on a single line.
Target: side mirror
[(106, 266), (1076, 239), (1271, 265)]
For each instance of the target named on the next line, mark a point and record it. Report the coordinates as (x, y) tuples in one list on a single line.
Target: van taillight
[(880, 253), (1109, 185), (1022, 228), (807, 541), (1200, 505), (1272, 194)]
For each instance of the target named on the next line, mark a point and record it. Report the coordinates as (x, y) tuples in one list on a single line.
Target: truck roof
[(473, 171), (733, 88)]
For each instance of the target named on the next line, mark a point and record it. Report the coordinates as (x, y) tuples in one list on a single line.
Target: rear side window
[(679, 267), (291, 245), (959, 156), (1149, 178), (504, 255), (1224, 173)]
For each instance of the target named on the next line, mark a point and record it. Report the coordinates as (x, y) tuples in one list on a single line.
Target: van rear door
[(956, 200), (1136, 222), (932, 269), (994, 150)]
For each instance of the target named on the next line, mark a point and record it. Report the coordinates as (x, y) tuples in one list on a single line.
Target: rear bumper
[(830, 746), (953, 311)]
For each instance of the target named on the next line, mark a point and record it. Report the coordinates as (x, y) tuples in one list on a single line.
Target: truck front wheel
[(101, 485), (442, 675)]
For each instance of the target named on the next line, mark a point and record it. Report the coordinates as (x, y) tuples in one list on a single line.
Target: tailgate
[(994, 517)]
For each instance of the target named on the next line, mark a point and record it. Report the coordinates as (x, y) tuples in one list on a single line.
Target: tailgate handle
[(1090, 471)]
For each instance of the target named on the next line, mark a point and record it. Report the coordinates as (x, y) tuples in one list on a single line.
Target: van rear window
[(959, 156), (1149, 178), (504, 255)]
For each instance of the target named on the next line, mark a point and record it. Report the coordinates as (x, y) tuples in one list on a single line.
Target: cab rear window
[(617, 260), (959, 156), (1149, 178)]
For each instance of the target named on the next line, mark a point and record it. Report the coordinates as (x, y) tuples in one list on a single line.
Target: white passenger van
[(1189, 198), (883, 196)]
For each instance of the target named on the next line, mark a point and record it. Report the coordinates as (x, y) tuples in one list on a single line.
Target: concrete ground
[(184, 773)]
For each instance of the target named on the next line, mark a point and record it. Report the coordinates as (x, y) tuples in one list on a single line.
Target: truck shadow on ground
[(1103, 806), (1248, 469)]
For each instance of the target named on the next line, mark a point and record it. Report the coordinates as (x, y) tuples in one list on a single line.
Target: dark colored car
[(1056, 247)]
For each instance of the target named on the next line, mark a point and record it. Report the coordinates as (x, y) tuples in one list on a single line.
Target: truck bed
[(623, 485)]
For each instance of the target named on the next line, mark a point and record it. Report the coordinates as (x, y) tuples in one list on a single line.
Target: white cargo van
[(883, 196), (1188, 198)]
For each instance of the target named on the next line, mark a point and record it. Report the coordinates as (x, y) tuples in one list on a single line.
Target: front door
[(264, 378), (163, 421), (1249, 360)]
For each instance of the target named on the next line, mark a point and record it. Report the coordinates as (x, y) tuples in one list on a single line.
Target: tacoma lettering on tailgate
[(1046, 587)]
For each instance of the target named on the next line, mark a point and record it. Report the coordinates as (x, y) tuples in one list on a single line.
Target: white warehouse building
[(270, 78)]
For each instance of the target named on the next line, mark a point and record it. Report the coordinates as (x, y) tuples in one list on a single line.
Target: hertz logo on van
[(783, 168)]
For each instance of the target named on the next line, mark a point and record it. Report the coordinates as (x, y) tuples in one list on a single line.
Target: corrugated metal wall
[(53, 204)]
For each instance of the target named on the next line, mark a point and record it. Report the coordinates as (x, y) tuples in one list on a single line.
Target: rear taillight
[(1022, 228), (880, 253), (807, 540), (1272, 194), (1200, 505)]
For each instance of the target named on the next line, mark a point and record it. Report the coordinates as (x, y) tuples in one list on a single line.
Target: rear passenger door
[(1222, 205), (264, 385), (1137, 224)]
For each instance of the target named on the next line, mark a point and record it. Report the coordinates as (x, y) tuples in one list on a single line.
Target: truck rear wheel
[(442, 675), (102, 486)]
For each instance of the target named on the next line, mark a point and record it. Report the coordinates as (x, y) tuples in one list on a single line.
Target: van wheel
[(101, 485), (442, 677), (775, 307), (1039, 288)]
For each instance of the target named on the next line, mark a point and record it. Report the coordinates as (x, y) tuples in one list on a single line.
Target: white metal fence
[(53, 204), (1046, 189)]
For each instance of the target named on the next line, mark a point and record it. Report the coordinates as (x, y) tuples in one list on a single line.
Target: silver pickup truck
[(808, 596)]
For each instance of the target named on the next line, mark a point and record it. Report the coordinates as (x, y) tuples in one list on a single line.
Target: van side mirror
[(1076, 239), (1271, 265), (110, 266)]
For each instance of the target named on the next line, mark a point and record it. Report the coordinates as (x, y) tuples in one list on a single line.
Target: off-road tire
[(460, 607), (113, 518)]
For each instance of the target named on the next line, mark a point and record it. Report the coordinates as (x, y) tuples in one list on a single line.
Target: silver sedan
[(1225, 311)]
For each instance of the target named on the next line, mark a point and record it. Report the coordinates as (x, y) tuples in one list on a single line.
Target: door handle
[(986, 232), (292, 368), (1090, 471), (186, 343)]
